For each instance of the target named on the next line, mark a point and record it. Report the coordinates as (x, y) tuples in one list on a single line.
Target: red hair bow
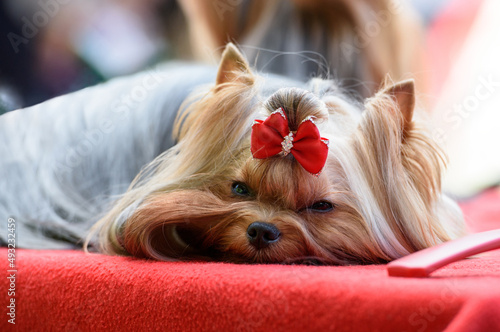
[(273, 136)]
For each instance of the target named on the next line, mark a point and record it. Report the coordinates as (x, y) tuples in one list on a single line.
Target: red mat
[(73, 291)]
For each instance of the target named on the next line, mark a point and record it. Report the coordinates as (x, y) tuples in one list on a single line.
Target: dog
[(262, 170), (217, 194)]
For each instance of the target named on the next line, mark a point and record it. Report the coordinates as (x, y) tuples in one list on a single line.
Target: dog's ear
[(401, 165), (233, 67), (403, 94)]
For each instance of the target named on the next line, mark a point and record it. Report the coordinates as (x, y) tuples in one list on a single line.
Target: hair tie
[(273, 137)]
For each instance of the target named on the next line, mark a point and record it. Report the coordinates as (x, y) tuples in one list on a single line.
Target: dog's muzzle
[(262, 234)]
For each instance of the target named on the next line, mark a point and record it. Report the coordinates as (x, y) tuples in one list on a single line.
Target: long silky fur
[(61, 168), (384, 180), (382, 174)]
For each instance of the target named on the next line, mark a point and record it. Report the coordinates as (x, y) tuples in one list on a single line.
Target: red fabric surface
[(482, 213), (74, 291)]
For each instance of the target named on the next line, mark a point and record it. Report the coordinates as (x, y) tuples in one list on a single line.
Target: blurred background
[(52, 47)]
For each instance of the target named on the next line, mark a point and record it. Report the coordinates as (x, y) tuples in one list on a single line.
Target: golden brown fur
[(382, 178)]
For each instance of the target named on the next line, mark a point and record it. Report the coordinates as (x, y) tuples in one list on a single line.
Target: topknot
[(298, 104)]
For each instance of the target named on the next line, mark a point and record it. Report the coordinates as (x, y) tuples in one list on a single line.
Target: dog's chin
[(188, 243), (168, 227), (240, 251), (266, 258), (270, 256)]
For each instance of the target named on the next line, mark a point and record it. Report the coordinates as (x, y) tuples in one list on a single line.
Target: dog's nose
[(262, 234)]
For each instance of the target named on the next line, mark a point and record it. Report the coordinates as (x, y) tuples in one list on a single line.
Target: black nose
[(262, 234)]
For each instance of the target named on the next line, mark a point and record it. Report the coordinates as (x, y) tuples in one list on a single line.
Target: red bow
[(273, 136)]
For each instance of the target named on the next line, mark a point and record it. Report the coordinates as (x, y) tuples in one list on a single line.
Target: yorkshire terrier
[(269, 170), (252, 180)]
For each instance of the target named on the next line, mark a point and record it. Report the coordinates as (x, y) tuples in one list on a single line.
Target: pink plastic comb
[(422, 263)]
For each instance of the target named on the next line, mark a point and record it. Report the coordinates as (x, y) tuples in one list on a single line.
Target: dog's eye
[(321, 206), (240, 189)]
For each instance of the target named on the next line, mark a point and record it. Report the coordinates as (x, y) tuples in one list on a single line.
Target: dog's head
[(377, 198)]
